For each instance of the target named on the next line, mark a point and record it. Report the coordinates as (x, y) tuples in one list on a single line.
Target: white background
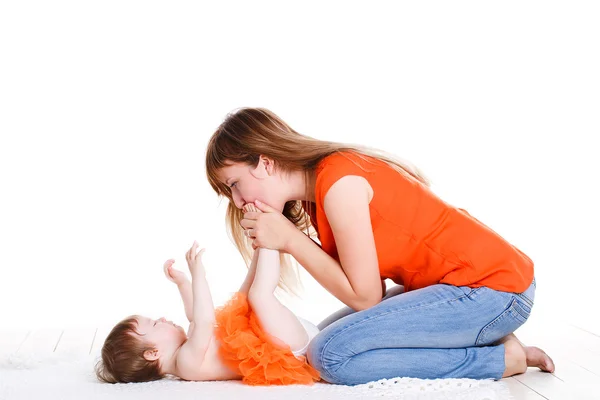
[(106, 108)]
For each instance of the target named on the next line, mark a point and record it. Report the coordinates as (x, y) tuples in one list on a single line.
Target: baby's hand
[(174, 275), (194, 259)]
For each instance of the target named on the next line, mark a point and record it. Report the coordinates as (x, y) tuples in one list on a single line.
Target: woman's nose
[(237, 200)]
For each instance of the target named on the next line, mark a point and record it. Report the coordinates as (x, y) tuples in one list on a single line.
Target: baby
[(253, 337)]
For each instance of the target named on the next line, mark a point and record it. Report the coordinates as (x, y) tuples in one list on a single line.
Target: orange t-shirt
[(420, 239)]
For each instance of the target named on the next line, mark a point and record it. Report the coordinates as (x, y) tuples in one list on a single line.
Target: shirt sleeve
[(336, 167)]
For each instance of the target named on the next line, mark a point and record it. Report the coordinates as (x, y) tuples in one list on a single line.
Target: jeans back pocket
[(507, 322)]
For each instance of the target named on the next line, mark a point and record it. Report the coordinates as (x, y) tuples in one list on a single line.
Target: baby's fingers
[(191, 252), (167, 271), (198, 255)]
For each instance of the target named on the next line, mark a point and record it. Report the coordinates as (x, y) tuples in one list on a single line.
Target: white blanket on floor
[(69, 377)]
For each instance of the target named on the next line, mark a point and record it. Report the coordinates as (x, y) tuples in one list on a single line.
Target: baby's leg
[(275, 318)]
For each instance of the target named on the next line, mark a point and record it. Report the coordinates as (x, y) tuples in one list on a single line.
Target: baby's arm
[(192, 352), (183, 284), (185, 290)]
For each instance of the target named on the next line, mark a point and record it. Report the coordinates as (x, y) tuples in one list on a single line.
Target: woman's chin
[(279, 207)]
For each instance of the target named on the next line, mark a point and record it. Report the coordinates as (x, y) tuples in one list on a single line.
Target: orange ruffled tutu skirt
[(260, 358)]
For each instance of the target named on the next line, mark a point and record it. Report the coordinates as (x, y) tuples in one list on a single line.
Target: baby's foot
[(250, 207)]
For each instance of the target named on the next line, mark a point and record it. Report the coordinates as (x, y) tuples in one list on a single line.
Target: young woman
[(466, 289)]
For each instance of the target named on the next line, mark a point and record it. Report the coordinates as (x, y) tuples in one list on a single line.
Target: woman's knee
[(313, 353), (321, 358)]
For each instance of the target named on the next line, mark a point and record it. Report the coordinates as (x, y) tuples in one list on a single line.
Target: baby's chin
[(178, 335), (182, 332)]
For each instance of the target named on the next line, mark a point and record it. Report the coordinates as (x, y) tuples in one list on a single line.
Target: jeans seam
[(519, 310), (473, 291), (494, 322), (503, 314), (323, 366), (525, 299)]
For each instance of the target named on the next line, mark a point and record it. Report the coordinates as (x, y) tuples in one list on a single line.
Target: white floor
[(574, 350)]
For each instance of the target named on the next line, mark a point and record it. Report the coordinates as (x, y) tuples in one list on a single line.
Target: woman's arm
[(330, 274), (355, 280)]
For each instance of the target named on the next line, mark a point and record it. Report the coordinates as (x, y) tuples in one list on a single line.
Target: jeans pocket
[(528, 296), (511, 318)]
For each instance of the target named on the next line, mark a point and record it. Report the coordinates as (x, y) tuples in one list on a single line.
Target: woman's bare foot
[(536, 357), (515, 358), (515, 351)]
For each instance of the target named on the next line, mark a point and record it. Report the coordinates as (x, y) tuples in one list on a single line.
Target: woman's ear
[(269, 164), (264, 168), (151, 355)]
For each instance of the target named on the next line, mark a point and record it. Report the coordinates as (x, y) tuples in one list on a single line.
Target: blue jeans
[(441, 331)]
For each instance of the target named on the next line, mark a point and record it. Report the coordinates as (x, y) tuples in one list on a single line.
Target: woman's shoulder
[(347, 156), (333, 167), (342, 163), (347, 161)]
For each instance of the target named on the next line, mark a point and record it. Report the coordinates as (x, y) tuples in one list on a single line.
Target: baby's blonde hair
[(122, 357)]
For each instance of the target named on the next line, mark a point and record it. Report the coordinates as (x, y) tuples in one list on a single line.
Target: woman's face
[(249, 183)]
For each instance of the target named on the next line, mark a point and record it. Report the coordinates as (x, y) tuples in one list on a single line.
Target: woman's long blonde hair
[(244, 135)]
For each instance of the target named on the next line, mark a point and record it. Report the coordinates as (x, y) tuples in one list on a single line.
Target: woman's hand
[(174, 275), (194, 260), (269, 229), (247, 208)]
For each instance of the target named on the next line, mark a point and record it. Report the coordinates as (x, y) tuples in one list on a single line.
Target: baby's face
[(160, 332)]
